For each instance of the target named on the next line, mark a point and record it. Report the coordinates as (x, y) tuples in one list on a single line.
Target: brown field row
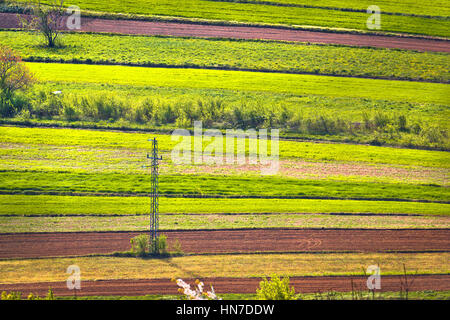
[(9, 20), (31, 245), (229, 285)]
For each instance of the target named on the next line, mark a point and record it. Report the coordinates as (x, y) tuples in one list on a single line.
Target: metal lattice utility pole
[(154, 194)]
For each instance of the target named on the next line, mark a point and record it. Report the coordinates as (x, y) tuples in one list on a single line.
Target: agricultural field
[(433, 22), (363, 159)]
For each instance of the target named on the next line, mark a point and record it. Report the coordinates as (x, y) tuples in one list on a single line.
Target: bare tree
[(14, 75), (47, 19)]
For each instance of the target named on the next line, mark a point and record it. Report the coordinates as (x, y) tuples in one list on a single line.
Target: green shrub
[(275, 289), (48, 109), (11, 295), (6, 107), (159, 245), (70, 113), (50, 295), (139, 245), (177, 248)]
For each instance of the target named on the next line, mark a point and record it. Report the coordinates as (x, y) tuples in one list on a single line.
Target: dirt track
[(31, 245), (8, 20), (228, 285)]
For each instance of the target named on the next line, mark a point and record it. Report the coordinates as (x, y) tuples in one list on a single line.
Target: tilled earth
[(231, 285), (32, 245), (10, 20)]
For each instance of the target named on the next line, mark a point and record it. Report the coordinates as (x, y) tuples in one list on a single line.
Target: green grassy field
[(253, 55), (22, 139), (47, 205), (413, 7), (247, 81), (66, 180), (258, 13), (183, 221), (222, 185)]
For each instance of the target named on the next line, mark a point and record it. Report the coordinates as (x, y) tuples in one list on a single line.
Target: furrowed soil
[(32, 245), (9, 20), (229, 285)]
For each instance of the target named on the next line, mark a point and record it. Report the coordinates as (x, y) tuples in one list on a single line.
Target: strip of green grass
[(216, 221), (252, 55), (71, 205), (244, 81), (438, 8), (257, 13), (95, 183), (310, 151)]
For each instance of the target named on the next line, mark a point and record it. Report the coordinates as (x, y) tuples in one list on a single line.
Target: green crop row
[(46, 205), (252, 55), (203, 185), (21, 138), (244, 81), (86, 223), (438, 8)]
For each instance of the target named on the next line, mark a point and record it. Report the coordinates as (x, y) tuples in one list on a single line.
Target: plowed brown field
[(228, 285), (9, 20), (29, 245)]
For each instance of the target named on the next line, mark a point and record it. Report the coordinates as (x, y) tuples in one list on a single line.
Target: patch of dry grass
[(246, 265)]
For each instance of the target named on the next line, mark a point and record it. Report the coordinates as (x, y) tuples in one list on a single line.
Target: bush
[(18, 296), (177, 248), (12, 105), (51, 107), (142, 247), (275, 289), (6, 107), (11, 295), (159, 245), (140, 244)]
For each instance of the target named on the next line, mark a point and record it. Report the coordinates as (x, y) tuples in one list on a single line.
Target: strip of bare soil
[(9, 20), (230, 285), (33, 245)]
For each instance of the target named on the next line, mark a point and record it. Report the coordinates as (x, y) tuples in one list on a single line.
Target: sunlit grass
[(71, 205), (246, 265), (216, 221), (253, 55), (243, 81)]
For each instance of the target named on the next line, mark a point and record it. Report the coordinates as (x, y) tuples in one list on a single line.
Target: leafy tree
[(47, 19), (14, 75)]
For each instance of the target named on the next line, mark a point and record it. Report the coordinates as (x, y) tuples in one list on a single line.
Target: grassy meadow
[(364, 136)]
